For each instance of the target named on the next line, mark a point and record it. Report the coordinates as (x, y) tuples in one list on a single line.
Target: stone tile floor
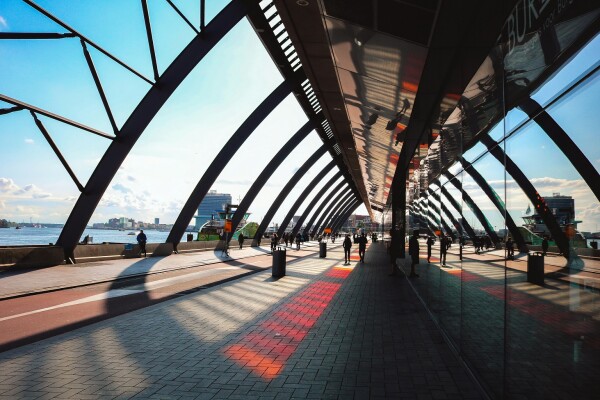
[(324, 331)]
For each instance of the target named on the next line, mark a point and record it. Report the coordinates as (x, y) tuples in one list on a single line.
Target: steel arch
[(476, 210), (309, 188), (340, 211), (343, 217), (493, 196), (319, 208), (314, 201), (326, 210), (268, 171), (287, 189), (335, 207), (139, 119), (220, 161)]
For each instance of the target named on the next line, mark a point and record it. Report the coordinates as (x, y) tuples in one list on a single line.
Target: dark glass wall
[(515, 166)]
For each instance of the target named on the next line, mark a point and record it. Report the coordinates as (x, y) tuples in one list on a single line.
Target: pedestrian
[(241, 240), (413, 251), (443, 248), (298, 240), (274, 240), (545, 245), (395, 249), (362, 247), (286, 238), (141, 239), (430, 243), (510, 251), (347, 245)]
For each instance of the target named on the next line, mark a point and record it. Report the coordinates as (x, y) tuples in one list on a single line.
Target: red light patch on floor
[(270, 344), (555, 316), (465, 276)]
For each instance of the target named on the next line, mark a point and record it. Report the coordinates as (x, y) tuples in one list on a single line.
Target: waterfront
[(44, 236)]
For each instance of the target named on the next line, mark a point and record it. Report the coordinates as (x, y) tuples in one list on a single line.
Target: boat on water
[(17, 227), (131, 233)]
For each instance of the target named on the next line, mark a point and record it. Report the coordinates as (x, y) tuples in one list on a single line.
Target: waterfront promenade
[(325, 330)]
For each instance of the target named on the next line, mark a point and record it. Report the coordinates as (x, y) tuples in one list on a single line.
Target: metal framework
[(221, 160), (287, 189), (339, 212), (324, 201), (476, 210), (465, 224), (336, 223), (493, 196), (139, 119), (334, 207), (346, 214), (313, 202), (268, 171), (309, 188), (327, 209), (513, 170), (581, 163)]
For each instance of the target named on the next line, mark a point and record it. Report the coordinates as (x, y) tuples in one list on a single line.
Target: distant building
[(212, 204), (156, 221)]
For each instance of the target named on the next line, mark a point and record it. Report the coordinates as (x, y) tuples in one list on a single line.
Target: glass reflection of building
[(209, 209)]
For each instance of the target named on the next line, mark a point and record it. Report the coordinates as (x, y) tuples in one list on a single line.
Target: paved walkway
[(325, 330)]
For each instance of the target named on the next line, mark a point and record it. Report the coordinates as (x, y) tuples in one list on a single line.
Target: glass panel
[(580, 121), (549, 296)]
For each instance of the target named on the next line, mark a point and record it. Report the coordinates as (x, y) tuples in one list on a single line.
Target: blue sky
[(187, 133)]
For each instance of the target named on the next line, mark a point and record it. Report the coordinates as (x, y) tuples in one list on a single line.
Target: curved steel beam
[(346, 213), (493, 196), (341, 212), (332, 210), (457, 207), (286, 190), (139, 119), (268, 171), (476, 210), (314, 201), (446, 212), (220, 161), (581, 163), (309, 188), (540, 206), (334, 203), (320, 207)]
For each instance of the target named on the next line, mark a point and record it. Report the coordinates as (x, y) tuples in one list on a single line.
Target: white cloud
[(121, 188), (3, 23), (7, 185), (29, 141)]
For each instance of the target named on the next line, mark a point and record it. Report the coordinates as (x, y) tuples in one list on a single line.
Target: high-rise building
[(156, 221), (211, 205)]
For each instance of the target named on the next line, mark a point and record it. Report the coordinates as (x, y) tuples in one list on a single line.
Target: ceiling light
[(302, 3)]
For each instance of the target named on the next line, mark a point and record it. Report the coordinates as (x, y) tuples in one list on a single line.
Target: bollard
[(535, 268), (322, 249), (278, 269)]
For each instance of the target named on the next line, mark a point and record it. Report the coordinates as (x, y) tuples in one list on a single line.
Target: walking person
[(241, 240), (141, 239), (545, 245), (298, 240), (430, 242), (443, 248), (413, 251), (510, 250), (362, 247), (274, 240), (347, 245)]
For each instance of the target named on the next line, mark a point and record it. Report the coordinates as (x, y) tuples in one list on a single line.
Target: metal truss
[(309, 188), (286, 190), (267, 172)]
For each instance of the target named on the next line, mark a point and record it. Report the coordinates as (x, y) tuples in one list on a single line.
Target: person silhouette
[(141, 239)]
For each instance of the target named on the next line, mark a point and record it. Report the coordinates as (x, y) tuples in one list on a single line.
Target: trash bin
[(322, 249), (278, 269), (190, 237), (535, 268)]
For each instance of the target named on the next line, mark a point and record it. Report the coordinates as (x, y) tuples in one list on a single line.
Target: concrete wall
[(45, 256)]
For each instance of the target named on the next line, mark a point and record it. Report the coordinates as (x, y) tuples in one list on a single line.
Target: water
[(26, 235)]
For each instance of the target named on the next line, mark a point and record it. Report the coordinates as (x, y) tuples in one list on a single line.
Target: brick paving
[(324, 331)]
